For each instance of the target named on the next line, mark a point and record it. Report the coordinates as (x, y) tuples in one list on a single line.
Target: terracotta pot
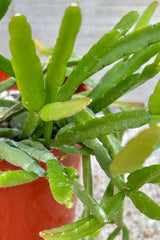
[(30, 208)]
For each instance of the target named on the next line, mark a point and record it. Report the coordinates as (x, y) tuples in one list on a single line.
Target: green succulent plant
[(49, 113)]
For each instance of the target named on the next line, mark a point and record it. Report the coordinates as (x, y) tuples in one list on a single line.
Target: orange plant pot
[(30, 208)]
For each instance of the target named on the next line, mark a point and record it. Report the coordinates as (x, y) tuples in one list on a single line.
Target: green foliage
[(49, 113), (60, 110), (154, 101), (4, 7), (127, 21), (13, 178), (5, 66), (90, 202), (144, 204), (86, 226), (5, 85), (126, 160), (111, 47), (114, 234), (144, 175), (125, 233), (20, 159), (31, 123), (42, 155), (59, 183), (120, 77), (101, 126), (62, 51), (26, 64), (145, 18), (9, 132)]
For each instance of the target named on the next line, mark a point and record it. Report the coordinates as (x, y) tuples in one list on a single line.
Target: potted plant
[(48, 121)]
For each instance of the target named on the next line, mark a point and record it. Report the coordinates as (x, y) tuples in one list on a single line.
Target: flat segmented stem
[(100, 126), (109, 49), (89, 201), (26, 64)]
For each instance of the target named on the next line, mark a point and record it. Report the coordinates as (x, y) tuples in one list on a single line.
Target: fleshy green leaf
[(7, 103), (131, 82), (16, 177), (31, 123), (154, 100), (87, 65), (107, 50), (157, 60), (4, 4), (59, 110), (144, 204), (71, 172), (72, 149), (155, 180), (127, 21), (13, 110), (125, 233), (100, 126), (100, 153), (3, 112), (92, 205), (144, 19), (141, 176), (26, 64), (6, 66), (119, 76), (34, 144), (42, 155), (96, 57), (62, 51), (155, 119), (59, 183), (133, 155), (124, 104), (113, 204), (76, 230), (87, 176), (20, 159), (19, 120), (9, 132), (114, 233), (86, 226), (5, 85)]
